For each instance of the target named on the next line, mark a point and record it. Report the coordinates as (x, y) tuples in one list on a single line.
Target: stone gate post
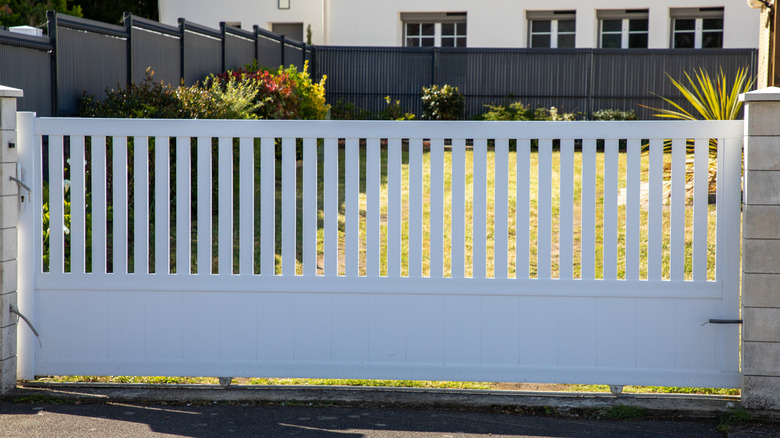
[(761, 251), (9, 208)]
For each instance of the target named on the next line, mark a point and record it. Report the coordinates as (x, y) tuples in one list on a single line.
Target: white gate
[(575, 252)]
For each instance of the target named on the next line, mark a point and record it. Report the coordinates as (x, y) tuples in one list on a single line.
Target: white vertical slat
[(394, 207), (204, 206), (633, 172), (77, 205), (437, 208), (268, 206), (246, 190), (351, 207), (56, 214), (700, 200), (523, 208), (162, 198), (310, 206), (501, 205), (331, 207), (479, 206), (677, 219), (566, 210), (610, 227), (415, 207), (458, 221), (588, 255), (183, 194), (655, 210), (120, 204), (225, 245), (544, 211), (373, 174), (288, 206), (141, 192), (99, 205)]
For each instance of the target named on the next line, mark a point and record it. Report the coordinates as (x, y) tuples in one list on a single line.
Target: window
[(291, 31), (551, 29), (445, 29), (697, 28), (623, 29)]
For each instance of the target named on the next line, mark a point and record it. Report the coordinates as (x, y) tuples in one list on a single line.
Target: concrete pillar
[(761, 251), (9, 209)]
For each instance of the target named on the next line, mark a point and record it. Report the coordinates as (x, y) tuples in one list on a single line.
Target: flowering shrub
[(442, 103)]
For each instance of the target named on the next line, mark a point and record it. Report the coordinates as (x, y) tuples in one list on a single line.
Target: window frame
[(554, 17), (626, 17), (698, 15), (459, 19)]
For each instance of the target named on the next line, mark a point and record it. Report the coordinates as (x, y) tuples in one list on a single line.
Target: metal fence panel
[(293, 55), (27, 65), (202, 56), (239, 50), (159, 51), (87, 62), (269, 51)]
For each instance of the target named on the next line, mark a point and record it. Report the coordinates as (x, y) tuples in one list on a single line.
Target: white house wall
[(491, 23)]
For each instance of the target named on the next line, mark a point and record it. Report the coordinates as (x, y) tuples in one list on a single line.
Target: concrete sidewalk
[(205, 411)]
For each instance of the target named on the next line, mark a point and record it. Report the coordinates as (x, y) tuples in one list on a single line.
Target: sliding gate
[(576, 252)]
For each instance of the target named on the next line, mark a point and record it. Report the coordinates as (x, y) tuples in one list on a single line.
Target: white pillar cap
[(10, 92), (768, 94)]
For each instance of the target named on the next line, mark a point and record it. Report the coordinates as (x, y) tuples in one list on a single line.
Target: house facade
[(656, 24)]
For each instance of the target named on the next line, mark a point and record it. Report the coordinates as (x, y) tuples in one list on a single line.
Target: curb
[(678, 404)]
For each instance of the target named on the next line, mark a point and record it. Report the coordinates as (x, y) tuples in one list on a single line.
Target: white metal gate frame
[(636, 331)]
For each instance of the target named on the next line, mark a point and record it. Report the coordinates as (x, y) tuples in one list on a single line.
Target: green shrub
[(149, 99), (393, 111), (614, 114), (342, 110), (516, 111), (442, 103)]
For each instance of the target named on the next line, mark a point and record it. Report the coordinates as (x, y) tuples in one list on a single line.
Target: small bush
[(614, 114), (393, 111), (516, 111), (442, 103)]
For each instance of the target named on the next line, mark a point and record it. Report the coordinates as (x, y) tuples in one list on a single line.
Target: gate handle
[(20, 183), (15, 310)]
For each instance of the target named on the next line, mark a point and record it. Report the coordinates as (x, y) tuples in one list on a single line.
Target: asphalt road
[(22, 419)]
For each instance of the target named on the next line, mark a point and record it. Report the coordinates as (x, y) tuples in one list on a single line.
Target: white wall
[(491, 23)]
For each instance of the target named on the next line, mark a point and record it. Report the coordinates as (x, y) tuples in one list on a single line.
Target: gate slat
[(437, 208), (268, 206), (610, 227), (633, 172), (588, 251), (479, 206), (351, 208), (246, 229), (331, 207), (309, 206), (183, 194), (225, 203), (500, 205), (373, 175), (204, 212), (523, 208), (120, 204), (700, 200), (677, 215), (394, 152), (655, 210), (162, 198), (77, 205), (458, 221), (141, 215), (544, 210), (289, 218), (56, 214), (415, 207), (566, 210), (99, 205)]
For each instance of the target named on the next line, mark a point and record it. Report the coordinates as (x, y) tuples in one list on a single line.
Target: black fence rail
[(80, 55), (578, 80)]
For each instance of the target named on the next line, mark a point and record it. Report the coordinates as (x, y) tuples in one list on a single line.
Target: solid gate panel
[(387, 328), (424, 329), (163, 333), (312, 328), (500, 330), (616, 332), (462, 330), (275, 327), (655, 332), (577, 332), (237, 326), (350, 321), (200, 338), (538, 340), (125, 333), (89, 337)]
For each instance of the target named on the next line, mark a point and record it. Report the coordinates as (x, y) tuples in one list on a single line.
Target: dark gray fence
[(583, 80), (83, 56)]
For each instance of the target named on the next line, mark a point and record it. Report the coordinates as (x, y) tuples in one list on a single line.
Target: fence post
[(9, 194), (760, 249)]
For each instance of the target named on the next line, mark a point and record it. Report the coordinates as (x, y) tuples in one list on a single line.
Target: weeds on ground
[(733, 418), (623, 412)]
